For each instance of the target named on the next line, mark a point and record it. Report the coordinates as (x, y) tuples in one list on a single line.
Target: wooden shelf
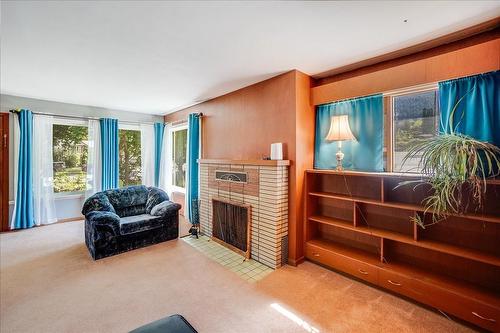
[(491, 181), (373, 239), (427, 244), (346, 251), (332, 221), (417, 208)]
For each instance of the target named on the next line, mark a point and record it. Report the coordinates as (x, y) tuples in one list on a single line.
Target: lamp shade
[(339, 129)]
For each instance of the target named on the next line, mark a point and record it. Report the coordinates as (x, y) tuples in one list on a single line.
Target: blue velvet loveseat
[(128, 218)]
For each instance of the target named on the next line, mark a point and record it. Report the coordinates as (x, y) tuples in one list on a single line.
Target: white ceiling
[(156, 57)]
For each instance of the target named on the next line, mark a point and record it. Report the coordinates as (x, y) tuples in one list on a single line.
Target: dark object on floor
[(194, 230), (128, 218), (172, 324)]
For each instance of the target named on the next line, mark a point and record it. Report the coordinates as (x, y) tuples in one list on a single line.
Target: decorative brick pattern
[(266, 191)]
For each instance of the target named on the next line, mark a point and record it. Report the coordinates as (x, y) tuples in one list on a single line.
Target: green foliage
[(180, 152), (453, 162), (69, 147), (130, 157), (408, 133), (450, 162), (68, 182), (65, 135), (71, 160)]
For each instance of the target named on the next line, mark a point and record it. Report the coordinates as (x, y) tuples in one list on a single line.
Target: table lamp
[(340, 131)]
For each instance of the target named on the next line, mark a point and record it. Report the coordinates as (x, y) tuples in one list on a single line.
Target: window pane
[(130, 157), (415, 120), (179, 158), (69, 152)]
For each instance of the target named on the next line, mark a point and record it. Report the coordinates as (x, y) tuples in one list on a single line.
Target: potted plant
[(450, 163)]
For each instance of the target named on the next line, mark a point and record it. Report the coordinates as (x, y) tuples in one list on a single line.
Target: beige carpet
[(50, 284)]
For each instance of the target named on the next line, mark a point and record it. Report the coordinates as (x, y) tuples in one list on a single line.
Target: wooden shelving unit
[(358, 223)]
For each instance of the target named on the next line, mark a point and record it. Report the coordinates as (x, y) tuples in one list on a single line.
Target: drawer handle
[(483, 318), (316, 254), (394, 283), (362, 271)]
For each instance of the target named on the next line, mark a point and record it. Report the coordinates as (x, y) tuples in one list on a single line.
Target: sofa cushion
[(97, 202), (165, 208), (131, 210), (137, 223), (155, 196), (122, 198)]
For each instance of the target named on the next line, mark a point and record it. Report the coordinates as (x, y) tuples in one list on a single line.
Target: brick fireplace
[(263, 187)]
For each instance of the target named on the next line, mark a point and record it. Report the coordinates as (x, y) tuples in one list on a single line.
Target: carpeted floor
[(50, 284)]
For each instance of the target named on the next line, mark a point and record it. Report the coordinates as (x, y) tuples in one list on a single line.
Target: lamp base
[(340, 157)]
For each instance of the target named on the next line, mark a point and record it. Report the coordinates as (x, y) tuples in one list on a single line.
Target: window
[(130, 156), (69, 152), (179, 157), (415, 118)]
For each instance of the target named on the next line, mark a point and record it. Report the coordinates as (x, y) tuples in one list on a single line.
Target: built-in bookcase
[(359, 223)]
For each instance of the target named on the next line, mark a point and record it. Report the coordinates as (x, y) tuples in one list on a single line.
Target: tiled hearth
[(248, 269), (262, 185)]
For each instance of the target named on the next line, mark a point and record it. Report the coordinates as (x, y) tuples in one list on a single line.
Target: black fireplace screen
[(230, 224)]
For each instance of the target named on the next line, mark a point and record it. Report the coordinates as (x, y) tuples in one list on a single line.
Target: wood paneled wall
[(244, 123), (473, 55)]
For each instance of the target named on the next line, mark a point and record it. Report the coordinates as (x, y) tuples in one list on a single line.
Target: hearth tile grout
[(249, 270)]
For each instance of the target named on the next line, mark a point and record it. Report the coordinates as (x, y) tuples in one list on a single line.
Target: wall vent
[(231, 176)]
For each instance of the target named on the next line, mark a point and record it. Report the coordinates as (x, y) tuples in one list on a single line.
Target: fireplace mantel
[(246, 162)]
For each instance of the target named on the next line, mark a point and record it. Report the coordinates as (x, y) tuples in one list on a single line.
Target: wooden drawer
[(475, 311), (401, 284), (343, 263), (466, 307)]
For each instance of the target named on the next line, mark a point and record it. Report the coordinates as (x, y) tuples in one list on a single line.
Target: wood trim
[(4, 173), (424, 46), (478, 54), (71, 219), (295, 263), (246, 162), (388, 132)]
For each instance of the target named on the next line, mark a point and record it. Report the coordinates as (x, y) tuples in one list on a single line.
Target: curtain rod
[(182, 121), (81, 117)]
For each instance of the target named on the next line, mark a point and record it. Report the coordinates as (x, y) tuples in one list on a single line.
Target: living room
[(303, 166)]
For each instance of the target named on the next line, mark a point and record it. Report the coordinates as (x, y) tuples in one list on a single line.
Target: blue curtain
[(478, 113), (109, 153), (23, 216), (366, 121), (193, 143), (159, 130)]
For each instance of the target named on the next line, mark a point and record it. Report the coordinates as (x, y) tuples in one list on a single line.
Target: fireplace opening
[(231, 225)]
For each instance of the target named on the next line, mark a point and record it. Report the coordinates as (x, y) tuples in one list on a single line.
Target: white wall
[(68, 206)]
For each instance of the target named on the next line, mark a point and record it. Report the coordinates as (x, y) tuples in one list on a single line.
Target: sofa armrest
[(165, 208), (104, 221)]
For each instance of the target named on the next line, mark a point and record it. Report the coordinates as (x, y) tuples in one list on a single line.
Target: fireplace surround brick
[(266, 190)]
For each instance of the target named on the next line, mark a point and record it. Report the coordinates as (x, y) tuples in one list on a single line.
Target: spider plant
[(451, 163)]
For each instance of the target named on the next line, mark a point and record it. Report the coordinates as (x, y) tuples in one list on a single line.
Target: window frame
[(174, 129), (67, 122), (388, 100)]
